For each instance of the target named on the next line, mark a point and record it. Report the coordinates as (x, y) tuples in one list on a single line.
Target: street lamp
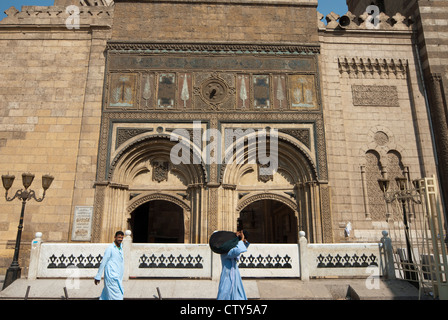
[(404, 196), (14, 270)]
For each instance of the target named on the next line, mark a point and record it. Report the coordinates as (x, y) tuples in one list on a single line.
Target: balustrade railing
[(302, 260)]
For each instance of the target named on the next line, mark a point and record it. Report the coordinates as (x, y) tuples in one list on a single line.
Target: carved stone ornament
[(366, 22), (160, 170), (265, 174), (96, 2), (369, 68), (214, 90), (303, 135), (124, 134), (216, 47), (375, 96)]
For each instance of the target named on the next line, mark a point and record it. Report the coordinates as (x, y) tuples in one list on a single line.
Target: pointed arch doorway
[(269, 221), (157, 221)]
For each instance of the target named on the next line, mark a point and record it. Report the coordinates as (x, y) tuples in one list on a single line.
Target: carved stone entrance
[(202, 95), (149, 194), (157, 222), (269, 221)]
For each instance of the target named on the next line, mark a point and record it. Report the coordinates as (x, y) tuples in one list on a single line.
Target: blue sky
[(325, 6)]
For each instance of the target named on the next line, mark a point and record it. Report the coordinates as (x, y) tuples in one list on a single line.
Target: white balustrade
[(302, 260)]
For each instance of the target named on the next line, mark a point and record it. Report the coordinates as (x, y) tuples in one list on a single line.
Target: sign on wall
[(82, 223)]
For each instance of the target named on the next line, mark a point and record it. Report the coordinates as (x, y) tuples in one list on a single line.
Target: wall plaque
[(167, 90), (82, 223), (303, 91), (261, 91), (386, 96), (123, 90)]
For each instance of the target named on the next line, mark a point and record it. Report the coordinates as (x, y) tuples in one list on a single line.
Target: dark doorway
[(269, 221), (157, 221)]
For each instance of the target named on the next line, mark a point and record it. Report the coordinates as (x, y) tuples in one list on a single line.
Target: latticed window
[(377, 206), (395, 169)]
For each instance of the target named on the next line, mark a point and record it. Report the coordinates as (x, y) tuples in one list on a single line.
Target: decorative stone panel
[(375, 96), (370, 68)]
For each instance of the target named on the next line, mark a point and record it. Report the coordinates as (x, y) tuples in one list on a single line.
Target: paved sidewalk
[(259, 289)]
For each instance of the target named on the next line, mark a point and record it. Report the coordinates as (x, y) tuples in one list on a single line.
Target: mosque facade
[(174, 119)]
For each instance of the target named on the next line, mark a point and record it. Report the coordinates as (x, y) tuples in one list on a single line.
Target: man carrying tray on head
[(230, 284)]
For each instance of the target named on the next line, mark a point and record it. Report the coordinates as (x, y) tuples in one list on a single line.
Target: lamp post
[(14, 270), (403, 195)]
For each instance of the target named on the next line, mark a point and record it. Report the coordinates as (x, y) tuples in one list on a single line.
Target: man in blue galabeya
[(113, 267), (231, 284)]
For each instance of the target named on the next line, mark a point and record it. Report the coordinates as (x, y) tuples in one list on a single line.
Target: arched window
[(377, 206)]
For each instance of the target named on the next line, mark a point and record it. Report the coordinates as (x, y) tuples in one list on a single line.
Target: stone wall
[(218, 21), (51, 80), (431, 32), (375, 114), (432, 37)]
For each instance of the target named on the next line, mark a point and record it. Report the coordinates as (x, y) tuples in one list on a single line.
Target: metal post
[(14, 271), (436, 223), (27, 292), (403, 196), (158, 292), (389, 268), (410, 272)]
